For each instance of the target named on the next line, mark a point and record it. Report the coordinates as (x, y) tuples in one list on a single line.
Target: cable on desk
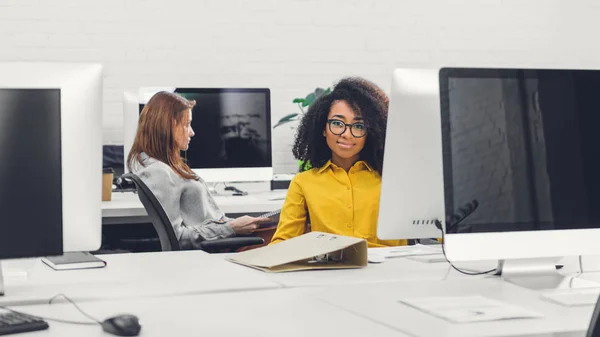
[(95, 321), (76, 307)]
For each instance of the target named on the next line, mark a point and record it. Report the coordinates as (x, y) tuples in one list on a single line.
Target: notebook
[(270, 214), (73, 260), (273, 215)]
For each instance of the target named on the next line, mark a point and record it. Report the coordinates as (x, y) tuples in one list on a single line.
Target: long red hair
[(155, 135)]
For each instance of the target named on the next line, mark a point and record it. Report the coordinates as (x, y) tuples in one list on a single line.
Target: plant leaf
[(319, 92), (309, 99), (298, 100), (286, 119)]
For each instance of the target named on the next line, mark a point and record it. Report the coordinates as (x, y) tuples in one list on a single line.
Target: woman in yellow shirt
[(342, 137)]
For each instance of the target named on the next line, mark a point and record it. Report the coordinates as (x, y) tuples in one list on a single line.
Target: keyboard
[(15, 322)]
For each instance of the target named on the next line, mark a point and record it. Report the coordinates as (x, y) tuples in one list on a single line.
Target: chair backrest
[(158, 216)]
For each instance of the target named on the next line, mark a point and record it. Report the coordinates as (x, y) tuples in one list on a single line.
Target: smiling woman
[(342, 136)]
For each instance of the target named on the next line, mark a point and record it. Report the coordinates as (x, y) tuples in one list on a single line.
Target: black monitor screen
[(523, 143), (232, 128), (30, 173)]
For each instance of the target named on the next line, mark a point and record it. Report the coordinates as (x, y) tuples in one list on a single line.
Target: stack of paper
[(404, 251), (573, 297)]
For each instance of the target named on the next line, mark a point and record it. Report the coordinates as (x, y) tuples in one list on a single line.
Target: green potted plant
[(303, 105)]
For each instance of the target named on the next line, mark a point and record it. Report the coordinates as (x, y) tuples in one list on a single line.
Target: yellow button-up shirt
[(334, 201)]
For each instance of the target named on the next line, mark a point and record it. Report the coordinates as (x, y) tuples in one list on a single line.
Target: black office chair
[(164, 229)]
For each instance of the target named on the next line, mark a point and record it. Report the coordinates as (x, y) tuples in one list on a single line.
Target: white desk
[(379, 303), (187, 290), (127, 207), (285, 312), (129, 276), (399, 269)]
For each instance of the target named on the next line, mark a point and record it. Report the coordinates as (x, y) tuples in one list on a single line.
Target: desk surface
[(129, 276), (380, 303), (284, 312), (127, 204), (202, 292), (400, 269), (371, 310)]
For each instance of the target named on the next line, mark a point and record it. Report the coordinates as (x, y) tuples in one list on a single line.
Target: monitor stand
[(539, 274)]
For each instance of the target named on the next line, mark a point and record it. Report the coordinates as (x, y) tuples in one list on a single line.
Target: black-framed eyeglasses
[(337, 127)]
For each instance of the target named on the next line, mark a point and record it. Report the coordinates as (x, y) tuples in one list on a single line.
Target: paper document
[(572, 297), (403, 251), (469, 309)]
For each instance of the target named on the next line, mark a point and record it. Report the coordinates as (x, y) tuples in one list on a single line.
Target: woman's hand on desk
[(245, 225)]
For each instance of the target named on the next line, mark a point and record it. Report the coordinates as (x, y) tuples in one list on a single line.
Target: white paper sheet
[(469, 309), (433, 258), (572, 297), (403, 251)]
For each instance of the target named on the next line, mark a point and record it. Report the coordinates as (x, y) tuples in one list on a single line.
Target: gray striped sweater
[(191, 209)]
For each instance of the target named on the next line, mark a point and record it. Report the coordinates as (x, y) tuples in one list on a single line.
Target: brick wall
[(290, 46)]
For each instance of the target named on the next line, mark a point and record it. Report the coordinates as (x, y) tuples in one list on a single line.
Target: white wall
[(290, 46)]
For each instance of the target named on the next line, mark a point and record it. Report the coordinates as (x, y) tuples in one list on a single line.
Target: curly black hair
[(365, 98)]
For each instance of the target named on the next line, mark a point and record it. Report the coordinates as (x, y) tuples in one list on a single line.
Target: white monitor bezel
[(520, 244), (412, 196), (130, 122), (80, 87)]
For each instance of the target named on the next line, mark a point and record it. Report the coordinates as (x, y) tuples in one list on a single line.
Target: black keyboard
[(15, 322)]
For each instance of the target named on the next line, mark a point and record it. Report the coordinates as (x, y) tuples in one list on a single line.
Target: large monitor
[(232, 128), (412, 194), (30, 173), (131, 113), (51, 154), (522, 142)]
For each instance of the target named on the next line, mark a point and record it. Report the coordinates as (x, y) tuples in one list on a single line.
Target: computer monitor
[(30, 174), (232, 126), (412, 194), (522, 142), (51, 150), (131, 111)]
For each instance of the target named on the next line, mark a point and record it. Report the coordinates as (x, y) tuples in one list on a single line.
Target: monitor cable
[(454, 220)]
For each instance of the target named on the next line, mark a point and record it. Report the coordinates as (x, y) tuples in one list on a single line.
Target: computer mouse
[(122, 325)]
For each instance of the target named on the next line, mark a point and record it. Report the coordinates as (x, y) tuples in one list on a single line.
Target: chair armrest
[(231, 244)]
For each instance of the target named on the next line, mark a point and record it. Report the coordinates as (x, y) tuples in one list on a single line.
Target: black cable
[(439, 225), (59, 320), (453, 221), (49, 318), (76, 306)]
